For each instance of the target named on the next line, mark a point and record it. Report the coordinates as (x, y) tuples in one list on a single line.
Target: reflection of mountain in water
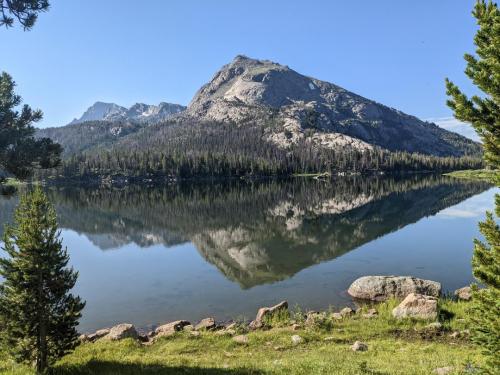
[(258, 232)]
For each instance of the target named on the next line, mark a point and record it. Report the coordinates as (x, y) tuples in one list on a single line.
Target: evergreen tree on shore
[(484, 115), (38, 314), (20, 151)]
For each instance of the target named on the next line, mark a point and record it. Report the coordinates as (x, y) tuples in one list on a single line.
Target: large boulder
[(381, 288), (122, 331), (170, 328), (265, 312), (416, 306)]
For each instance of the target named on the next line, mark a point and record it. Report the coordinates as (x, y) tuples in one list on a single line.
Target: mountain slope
[(321, 112)]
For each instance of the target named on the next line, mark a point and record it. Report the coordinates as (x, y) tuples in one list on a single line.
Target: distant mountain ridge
[(101, 111)]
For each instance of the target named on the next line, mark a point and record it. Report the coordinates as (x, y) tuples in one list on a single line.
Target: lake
[(149, 255)]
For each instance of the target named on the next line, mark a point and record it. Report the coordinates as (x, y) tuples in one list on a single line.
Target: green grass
[(476, 174), (395, 347)]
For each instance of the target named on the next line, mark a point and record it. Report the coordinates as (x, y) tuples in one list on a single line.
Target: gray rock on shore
[(265, 312), (206, 324), (416, 306), (464, 294), (381, 288), (170, 328), (122, 331)]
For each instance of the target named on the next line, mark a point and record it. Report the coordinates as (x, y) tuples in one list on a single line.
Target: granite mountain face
[(317, 111)]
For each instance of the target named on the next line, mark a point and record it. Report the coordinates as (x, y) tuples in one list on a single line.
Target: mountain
[(138, 112), (324, 114), (257, 117)]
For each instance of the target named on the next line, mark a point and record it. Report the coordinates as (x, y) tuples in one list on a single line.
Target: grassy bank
[(394, 347), (475, 174)]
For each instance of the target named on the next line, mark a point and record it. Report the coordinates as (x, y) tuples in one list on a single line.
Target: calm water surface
[(148, 255)]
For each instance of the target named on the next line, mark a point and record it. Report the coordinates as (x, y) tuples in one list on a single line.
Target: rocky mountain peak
[(311, 110), (137, 112)]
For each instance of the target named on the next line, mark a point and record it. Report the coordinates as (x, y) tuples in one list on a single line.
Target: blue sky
[(395, 52)]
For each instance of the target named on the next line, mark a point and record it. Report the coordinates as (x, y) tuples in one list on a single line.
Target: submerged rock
[(381, 288), (416, 306)]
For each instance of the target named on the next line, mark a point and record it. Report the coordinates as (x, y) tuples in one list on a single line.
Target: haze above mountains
[(289, 107)]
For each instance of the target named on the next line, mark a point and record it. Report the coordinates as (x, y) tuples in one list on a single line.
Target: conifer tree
[(484, 115), (20, 151), (38, 314)]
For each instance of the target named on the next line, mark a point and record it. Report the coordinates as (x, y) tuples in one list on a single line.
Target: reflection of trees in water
[(258, 231)]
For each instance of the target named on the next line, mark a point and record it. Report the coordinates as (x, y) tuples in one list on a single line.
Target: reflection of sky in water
[(473, 207), (158, 283)]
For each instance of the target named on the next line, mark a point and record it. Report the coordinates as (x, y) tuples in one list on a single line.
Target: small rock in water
[(241, 339), (296, 339), (443, 370), (359, 346)]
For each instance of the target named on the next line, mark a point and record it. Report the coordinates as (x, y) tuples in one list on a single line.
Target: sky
[(395, 52)]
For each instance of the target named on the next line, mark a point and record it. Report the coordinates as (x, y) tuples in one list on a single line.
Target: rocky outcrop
[(416, 306), (266, 312), (464, 294), (381, 288)]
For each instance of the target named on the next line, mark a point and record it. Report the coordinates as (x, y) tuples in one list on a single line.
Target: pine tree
[(20, 151), (38, 314), (484, 70), (24, 11), (484, 115)]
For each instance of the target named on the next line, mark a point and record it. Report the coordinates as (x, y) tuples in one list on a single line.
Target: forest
[(182, 149)]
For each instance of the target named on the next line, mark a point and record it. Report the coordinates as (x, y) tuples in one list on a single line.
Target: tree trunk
[(41, 362)]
